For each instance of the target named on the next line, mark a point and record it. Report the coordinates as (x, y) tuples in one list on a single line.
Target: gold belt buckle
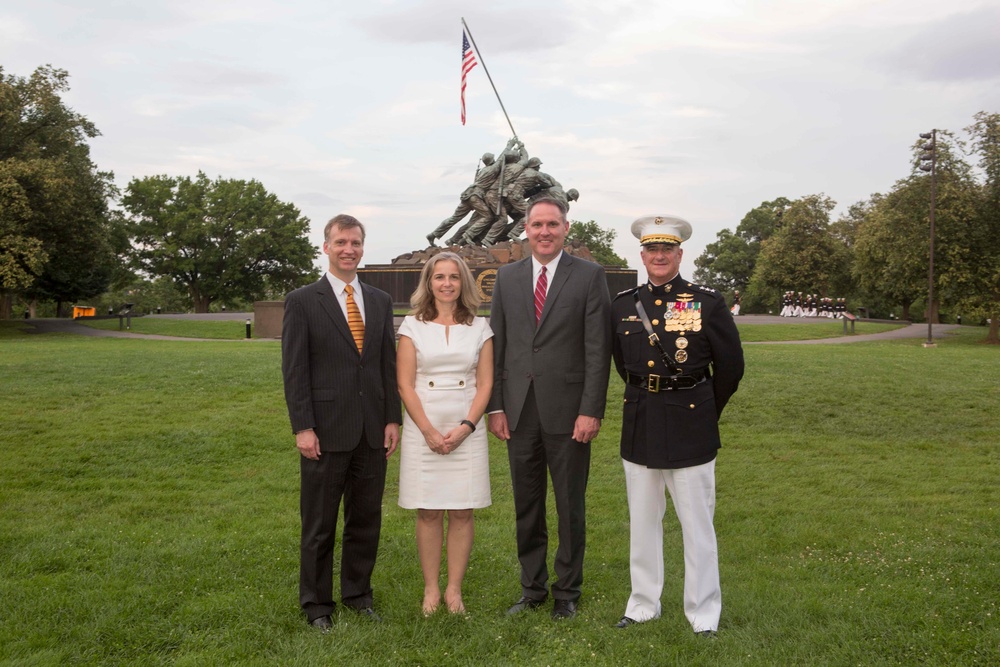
[(653, 384)]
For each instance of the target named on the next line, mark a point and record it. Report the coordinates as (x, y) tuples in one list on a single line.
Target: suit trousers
[(693, 493), (357, 477), (531, 450)]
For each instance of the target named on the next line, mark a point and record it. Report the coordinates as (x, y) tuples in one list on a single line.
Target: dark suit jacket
[(329, 386), (567, 356)]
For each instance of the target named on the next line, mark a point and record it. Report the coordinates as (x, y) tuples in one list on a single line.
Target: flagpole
[(472, 39)]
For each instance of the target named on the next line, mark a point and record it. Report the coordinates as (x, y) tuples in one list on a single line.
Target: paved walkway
[(202, 316), (53, 325), (911, 331)]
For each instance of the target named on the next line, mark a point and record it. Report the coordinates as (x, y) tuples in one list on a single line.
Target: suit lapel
[(373, 318), (563, 270), (526, 285), (328, 300)]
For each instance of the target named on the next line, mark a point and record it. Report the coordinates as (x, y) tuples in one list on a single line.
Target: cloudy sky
[(701, 109)]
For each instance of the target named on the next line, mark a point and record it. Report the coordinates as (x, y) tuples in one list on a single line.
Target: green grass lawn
[(222, 329), (237, 329), (758, 333), (13, 328), (149, 515)]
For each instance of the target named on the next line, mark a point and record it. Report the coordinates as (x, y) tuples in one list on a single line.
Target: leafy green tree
[(217, 240), (955, 223), (888, 261), (728, 263), (980, 293), (763, 221), (599, 241), (845, 229), (802, 254), (82, 255), (55, 232), (892, 241), (22, 255), (146, 296)]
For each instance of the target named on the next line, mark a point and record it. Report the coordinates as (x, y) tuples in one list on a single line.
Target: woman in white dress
[(444, 366)]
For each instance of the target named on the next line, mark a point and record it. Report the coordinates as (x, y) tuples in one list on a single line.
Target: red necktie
[(540, 287)]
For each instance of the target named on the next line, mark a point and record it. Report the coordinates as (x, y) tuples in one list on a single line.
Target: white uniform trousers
[(693, 494)]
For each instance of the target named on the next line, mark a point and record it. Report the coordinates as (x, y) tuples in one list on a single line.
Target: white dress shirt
[(338, 289), (536, 270)]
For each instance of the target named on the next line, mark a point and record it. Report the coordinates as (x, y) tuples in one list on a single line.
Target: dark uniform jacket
[(675, 428)]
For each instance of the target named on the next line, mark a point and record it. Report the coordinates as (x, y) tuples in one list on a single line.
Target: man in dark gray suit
[(338, 359), (552, 346)]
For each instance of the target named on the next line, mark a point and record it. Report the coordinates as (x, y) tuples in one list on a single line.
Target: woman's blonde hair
[(422, 300)]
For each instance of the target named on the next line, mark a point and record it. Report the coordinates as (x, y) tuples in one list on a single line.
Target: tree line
[(172, 241), (876, 254), (176, 243), (67, 234)]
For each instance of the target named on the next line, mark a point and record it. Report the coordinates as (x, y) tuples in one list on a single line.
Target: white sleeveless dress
[(446, 386)]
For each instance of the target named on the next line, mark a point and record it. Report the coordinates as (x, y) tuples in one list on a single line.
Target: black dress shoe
[(625, 622), (523, 604), (369, 613), (707, 634), (322, 623), (564, 609)]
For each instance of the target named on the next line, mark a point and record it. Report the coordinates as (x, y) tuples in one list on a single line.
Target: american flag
[(468, 62)]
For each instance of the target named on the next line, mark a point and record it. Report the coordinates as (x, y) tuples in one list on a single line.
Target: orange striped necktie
[(354, 321)]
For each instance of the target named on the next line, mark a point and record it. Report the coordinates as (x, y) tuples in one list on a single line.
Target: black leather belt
[(657, 383)]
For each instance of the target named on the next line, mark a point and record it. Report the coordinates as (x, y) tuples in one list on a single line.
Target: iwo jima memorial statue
[(497, 200)]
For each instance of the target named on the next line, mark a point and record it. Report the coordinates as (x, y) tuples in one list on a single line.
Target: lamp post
[(928, 162)]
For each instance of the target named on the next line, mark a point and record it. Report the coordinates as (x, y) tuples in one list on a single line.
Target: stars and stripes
[(468, 62)]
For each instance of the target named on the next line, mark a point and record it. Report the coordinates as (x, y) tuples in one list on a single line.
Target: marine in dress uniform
[(670, 431), (786, 305)]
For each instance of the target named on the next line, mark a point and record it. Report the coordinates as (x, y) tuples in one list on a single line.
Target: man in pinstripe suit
[(338, 360)]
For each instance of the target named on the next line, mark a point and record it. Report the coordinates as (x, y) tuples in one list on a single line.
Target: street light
[(928, 162)]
